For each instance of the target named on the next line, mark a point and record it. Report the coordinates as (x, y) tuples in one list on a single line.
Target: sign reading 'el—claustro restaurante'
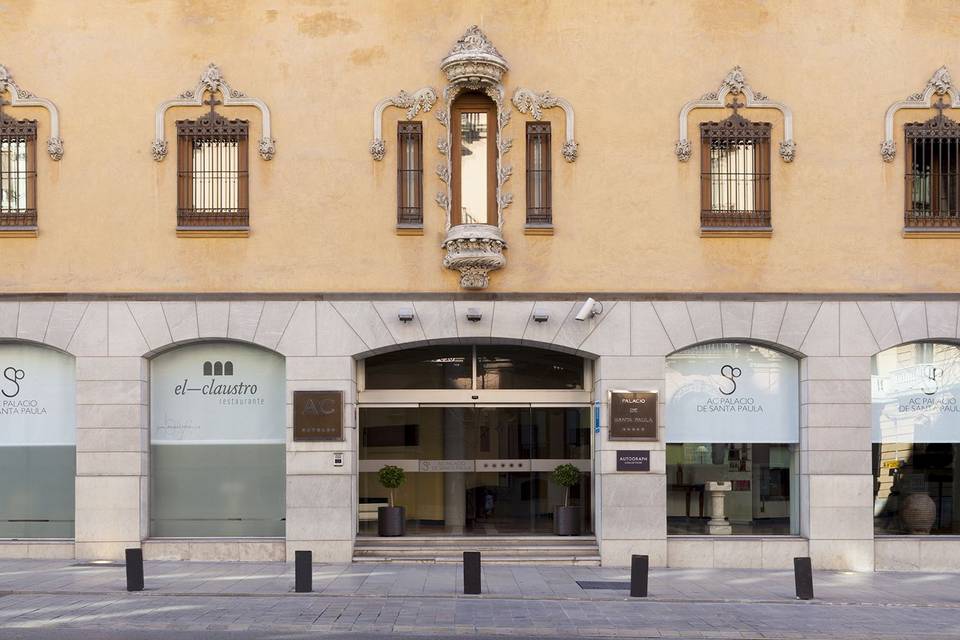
[(633, 415), (317, 416)]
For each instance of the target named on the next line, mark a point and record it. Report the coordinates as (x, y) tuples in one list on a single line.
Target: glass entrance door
[(474, 469)]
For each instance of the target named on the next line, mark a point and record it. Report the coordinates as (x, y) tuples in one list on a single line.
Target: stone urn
[(918, 513)]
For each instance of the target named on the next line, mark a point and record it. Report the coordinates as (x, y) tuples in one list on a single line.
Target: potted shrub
[(567, 519), (391, 520)]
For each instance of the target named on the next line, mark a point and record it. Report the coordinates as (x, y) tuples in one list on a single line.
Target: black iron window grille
[(410, 174), (932, 173), (212, 172), (735, 173), (18, 172), (539, 176)]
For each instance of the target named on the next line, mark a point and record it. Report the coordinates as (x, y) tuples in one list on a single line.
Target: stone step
[(466, 541), (458, 551), (585, 560)]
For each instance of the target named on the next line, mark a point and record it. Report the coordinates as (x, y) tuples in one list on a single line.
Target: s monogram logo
[(730, 373)]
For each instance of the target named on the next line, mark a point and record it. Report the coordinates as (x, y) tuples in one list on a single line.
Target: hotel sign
[(633, 415), (318, 416), (633, 460)]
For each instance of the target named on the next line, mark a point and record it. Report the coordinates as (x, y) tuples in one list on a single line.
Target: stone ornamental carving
[(474, 250), (421, 100), (212, 81), (735, 83), (22, 98), (939, 84), (528, 101)]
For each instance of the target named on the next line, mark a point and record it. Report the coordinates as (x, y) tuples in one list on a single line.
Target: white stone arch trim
[(173, 346), (420, 100), (735, 82), (212, 80), (529, 101), (774, 346), (939, 84), (22, 98)]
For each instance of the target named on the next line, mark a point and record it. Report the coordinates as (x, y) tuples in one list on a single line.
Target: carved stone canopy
[(735, 83), (212, 81), (23, 98), (940, 84), (474, 250), (474, 59)]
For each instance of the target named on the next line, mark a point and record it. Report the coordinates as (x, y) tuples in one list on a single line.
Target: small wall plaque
[(633, 460), (633, 415), (317, 416)]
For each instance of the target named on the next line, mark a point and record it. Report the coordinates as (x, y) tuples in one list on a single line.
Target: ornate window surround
[(473, 64), (212, 81), (23, 98), (420, 100), (529, 101), (735, 82), (939, 84)]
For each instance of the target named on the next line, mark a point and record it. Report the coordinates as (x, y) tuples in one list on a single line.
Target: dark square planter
[(567, 520), (391, 521)]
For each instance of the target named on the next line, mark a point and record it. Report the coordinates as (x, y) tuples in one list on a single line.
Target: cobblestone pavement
[(256, 600)]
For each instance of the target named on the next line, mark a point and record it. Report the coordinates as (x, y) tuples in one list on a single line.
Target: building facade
[(215, 210)]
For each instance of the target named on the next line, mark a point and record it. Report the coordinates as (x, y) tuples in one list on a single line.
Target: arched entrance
[(478, 430)]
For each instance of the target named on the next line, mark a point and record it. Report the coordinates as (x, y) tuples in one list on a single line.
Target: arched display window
[(217, 442), (38, 449), (916, 439), (732, 424)]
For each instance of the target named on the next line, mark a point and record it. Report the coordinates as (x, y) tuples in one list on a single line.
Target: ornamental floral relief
[(940, 84), (20, 97), (212, 82), (735, 83)]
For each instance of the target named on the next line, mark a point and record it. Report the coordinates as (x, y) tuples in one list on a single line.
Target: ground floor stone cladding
[(321, 340)]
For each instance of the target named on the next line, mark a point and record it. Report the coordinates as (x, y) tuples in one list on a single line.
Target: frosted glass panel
[(37, 442), (217, 442), (916, 394), (732, 392)]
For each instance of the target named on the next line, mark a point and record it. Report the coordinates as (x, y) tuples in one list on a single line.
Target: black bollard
[(471, 572), (303, 582), (639, 576), (134, 559), (803, 576)]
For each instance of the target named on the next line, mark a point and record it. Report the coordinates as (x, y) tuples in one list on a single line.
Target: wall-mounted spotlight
[(474, 314), (589, 309), (405, 314), (540, 315)]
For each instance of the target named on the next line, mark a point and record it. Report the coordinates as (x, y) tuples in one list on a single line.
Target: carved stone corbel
[(736, 83), (529, 101), (23, 98), (213, 81), (939, 84), (420, 100)]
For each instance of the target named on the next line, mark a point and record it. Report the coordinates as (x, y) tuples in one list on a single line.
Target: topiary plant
[(566, 475), (391, 477)]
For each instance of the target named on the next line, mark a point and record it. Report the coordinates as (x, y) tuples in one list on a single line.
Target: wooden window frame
[(539, 218), (409, 218), (474, 103), (945, 134), (736, 130), (214, 128), (21, 221)]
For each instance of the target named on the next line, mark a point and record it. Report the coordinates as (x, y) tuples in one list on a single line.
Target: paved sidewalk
[(251, 598)]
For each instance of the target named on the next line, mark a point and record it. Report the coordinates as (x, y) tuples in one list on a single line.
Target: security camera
[(589, 309)]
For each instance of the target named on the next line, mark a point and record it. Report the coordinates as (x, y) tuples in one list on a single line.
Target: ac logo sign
[(13, 376)]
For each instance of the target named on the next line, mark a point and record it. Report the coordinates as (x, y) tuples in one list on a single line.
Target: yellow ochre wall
[(626, 213)]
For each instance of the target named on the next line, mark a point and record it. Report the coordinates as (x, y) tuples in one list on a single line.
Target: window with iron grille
[(18, 172), (539, 181), (735, 174), (410, 174), (932, 172), (212, 172)]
